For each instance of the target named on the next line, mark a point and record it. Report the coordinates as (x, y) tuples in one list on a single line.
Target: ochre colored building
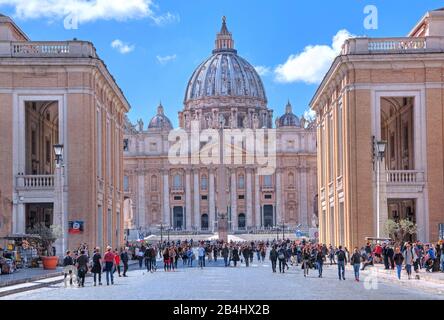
[(59, 93), (382, 90)]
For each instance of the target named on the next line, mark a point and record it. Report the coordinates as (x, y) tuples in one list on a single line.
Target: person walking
[(246, 254), (282, 258), (97, 266), (342, 260), (166, 260), (109, 265), (331, 255), (201, 252), (399, 259), (117, 262), (147, 258), (319, 261), (273, 258), (235, 256), (225, 253), (68, 261), (139, 255), (306, 259), (124, 257), (355, 261), (409, 256), (82, 267)]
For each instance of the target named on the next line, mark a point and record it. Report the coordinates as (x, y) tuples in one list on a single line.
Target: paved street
[(256, 282)]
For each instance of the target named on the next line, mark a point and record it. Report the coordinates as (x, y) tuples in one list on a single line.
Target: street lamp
[(379, 154), (283, 230), (58, 151)]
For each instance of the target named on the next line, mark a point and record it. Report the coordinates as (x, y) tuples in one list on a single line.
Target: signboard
[(441, 231), (75, 227), (298, 233), (314, 233)]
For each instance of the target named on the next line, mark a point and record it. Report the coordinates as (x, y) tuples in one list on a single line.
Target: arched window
[(204, 222), (154, 183), (241, 182), (204, 182), (177, 181), (241, 221)]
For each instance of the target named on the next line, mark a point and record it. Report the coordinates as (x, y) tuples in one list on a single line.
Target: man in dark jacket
[(124, 258), (82, 267), (342, 261), (68, 261), (225, 254), (390, 255), (273, 258), (246, 254)]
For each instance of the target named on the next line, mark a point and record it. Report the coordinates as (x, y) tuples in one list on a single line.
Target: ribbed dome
[(160, 120), (225, 74), (289, 119)]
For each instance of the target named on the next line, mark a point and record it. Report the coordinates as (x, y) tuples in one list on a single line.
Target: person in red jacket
[(117, 261), (109, 259)]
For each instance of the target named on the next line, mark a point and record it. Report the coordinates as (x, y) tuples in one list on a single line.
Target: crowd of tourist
[(282, 254)]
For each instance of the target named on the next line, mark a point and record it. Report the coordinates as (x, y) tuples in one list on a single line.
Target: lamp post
[(283, 230), (379, 154), (58, 151)]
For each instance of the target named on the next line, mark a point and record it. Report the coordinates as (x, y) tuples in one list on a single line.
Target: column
[(211, 201), (249, 200), (303, 218), (196, 200), (20, 223), (234, 221), (188, 208), (59, 217), (166, 199), (257, 201), (278, 196), (141, 201)]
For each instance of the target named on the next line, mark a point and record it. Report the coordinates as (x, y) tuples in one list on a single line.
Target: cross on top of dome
[(224, 39)]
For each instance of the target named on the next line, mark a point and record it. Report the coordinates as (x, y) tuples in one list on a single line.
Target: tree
[(48, 235), (399, 230)]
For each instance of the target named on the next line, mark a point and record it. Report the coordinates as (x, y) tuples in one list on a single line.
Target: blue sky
[(166, 39)]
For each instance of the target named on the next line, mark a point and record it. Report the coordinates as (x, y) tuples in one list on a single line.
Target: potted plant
[(400, 230), (48, 235)]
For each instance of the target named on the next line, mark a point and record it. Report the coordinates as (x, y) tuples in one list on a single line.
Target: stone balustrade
[(35, 182), (393, 45), (70, 49), (405, 177)]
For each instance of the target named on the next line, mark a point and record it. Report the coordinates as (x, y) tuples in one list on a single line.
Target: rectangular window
[(126, 183), (99, 144), (33, 142), (268, 196), (340, 143), (177, 198), (330, 149), (204, 197), (268, 181), (48, 151), (241, 197), (125, 145), (108, 152)]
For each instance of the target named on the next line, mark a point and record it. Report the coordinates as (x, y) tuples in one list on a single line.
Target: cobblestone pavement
[(213, 283)]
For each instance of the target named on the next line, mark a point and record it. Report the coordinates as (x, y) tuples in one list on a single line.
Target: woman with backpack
[(282, 259), (409, 255)]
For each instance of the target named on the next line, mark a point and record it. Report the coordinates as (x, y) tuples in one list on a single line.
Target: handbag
[(281, 256)]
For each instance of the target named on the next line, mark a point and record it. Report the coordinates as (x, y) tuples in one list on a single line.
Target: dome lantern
[(224, 39)]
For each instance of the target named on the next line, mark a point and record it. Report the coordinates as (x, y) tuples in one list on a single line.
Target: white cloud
[(88, 10), (262, 70), (310, 114), (166, 59), (122, 47), (312, 64)]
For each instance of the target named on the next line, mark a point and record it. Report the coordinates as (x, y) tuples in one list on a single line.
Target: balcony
[(405, 181), (177, 189), (35, 182), (393, 45), (405, 177), (71, 49), (267, 188)]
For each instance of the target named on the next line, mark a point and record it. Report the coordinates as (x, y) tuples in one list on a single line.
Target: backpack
[(341, 255)]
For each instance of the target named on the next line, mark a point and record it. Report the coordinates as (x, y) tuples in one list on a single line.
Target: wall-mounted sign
[(75, 227)]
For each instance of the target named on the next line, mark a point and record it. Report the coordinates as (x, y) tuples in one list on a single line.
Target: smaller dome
[(289, 119), (160, 120)]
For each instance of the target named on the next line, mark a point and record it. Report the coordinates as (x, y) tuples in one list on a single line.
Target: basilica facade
[(224, 93)]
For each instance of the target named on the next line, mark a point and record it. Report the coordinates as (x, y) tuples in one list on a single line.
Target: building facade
[(59, 93), (224, 93), (387, 90)]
